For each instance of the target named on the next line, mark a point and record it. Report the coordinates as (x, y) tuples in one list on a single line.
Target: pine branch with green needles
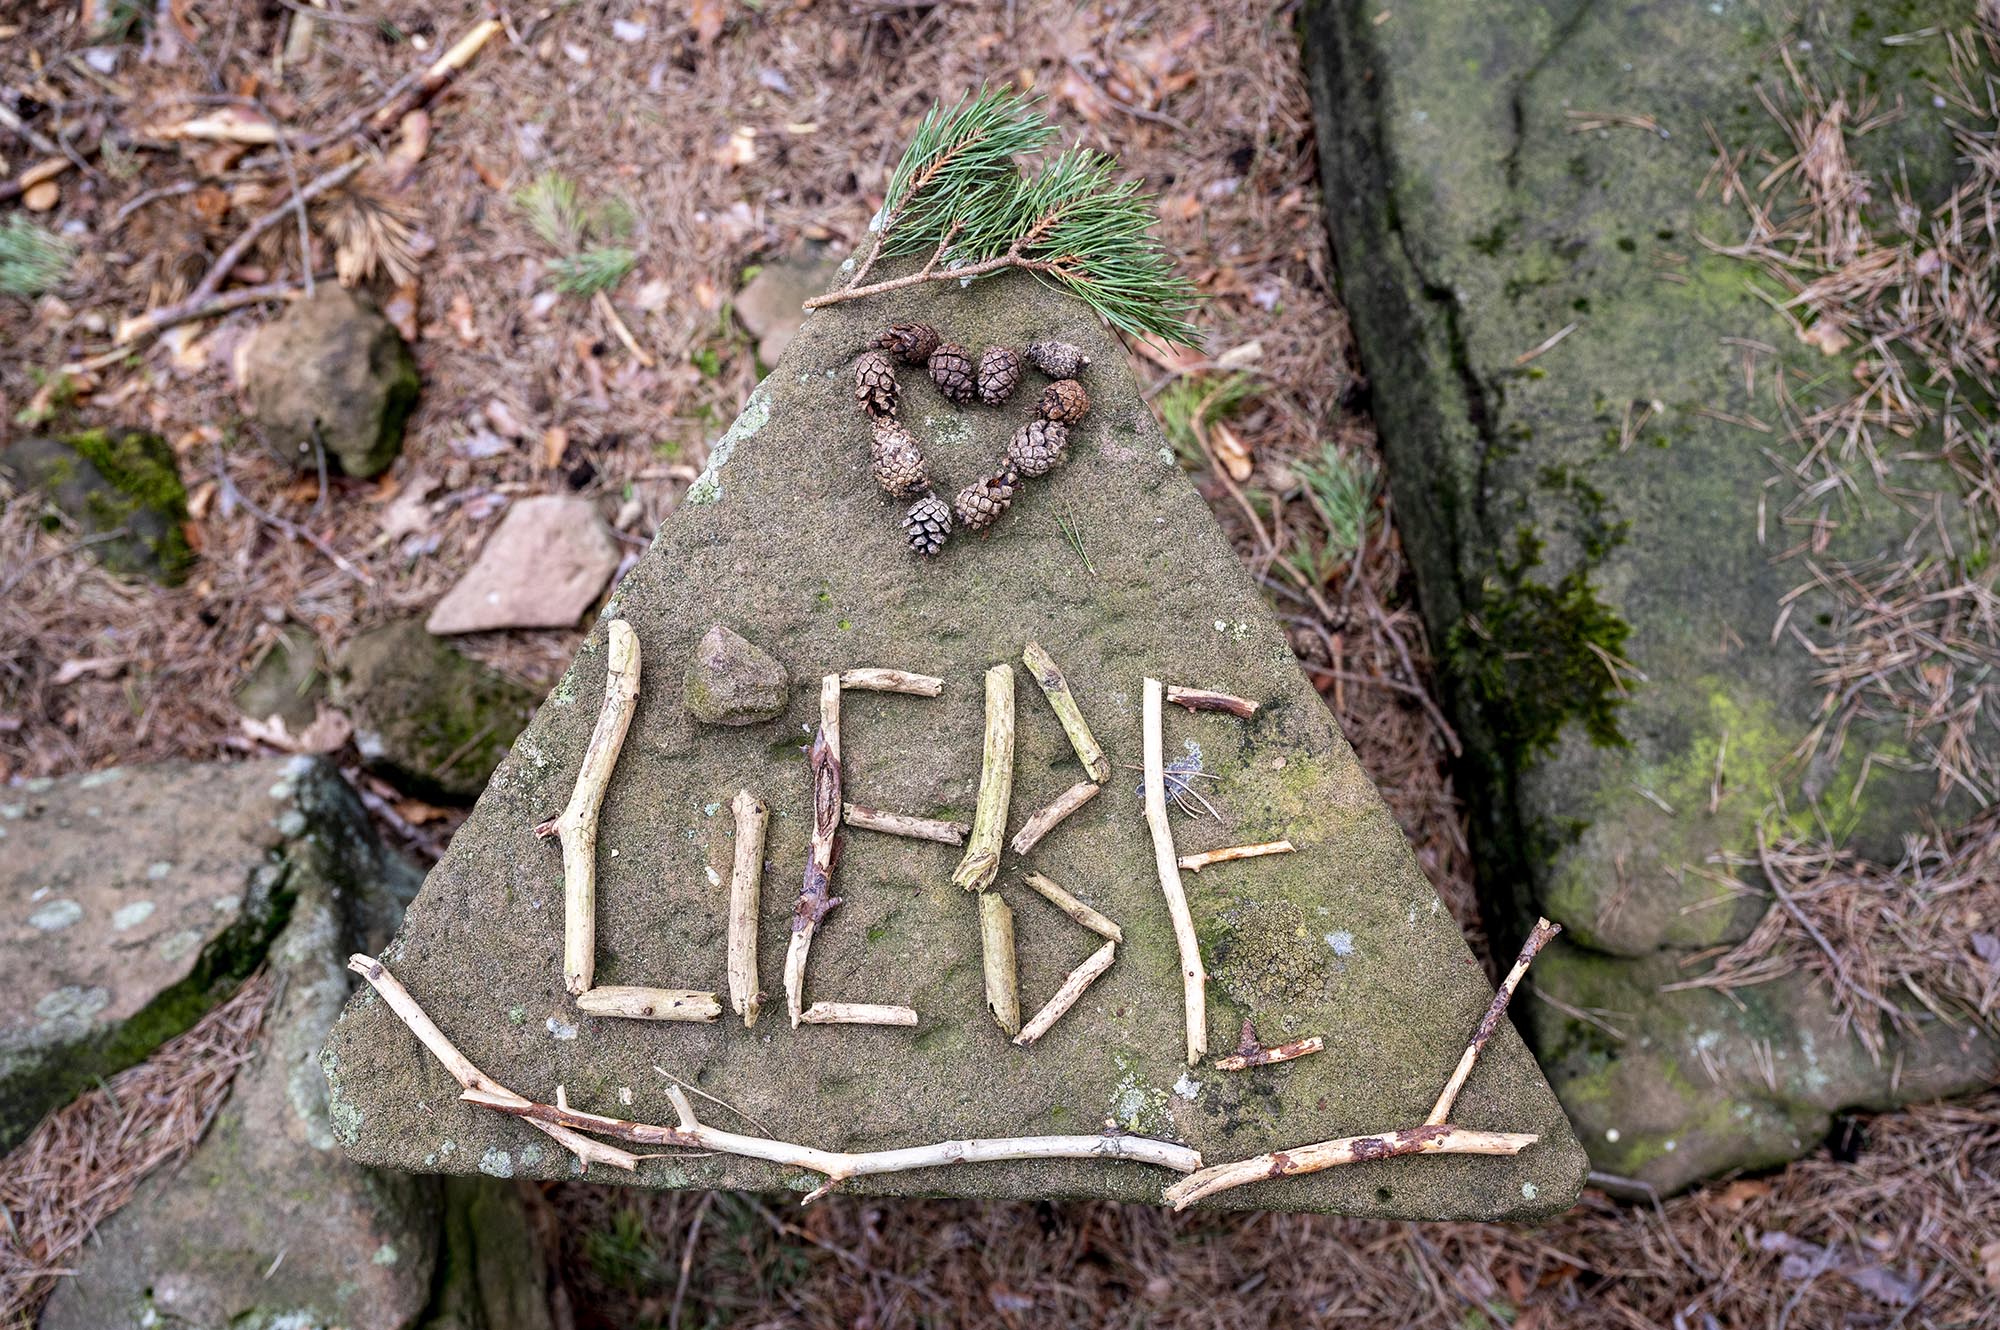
[(33, 259), (1341, 489), (957, 193), (592, 270), (556, 213)]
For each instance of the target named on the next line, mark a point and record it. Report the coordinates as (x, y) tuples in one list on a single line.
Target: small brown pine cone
[(875, 386), (1058, 360), (1064, 401), (911, 343), (1038, 447), (951, 370), (898, 463), (980, 504), (999, 373), (927, 525)]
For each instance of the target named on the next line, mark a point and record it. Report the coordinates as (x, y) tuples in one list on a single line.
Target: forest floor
[(710, 138)]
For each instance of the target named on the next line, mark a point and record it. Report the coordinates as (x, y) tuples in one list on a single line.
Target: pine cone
[(980, 504), (1058, 360), (911, 343), (875, 386), (951, 370), (1038, 447), (898, 463), (1064, 401), (999, 372), (927, 525)]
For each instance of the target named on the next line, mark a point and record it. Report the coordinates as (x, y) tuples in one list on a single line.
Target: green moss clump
[(122, 486)]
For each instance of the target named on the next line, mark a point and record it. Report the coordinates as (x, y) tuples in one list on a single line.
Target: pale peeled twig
[(1426, 1140), (871, 680), (746, 895), (996, 952), (837, 1167), (981, 864), (1074, 908), (816, 896), (1194, 980), (1194, 863), (1207, 699), (857, 1013), (576, 826), (904, 824), (1495, 1011), (1073, 984), (1044, 820), (1056, 688), (649, 1004), (398, 1000)]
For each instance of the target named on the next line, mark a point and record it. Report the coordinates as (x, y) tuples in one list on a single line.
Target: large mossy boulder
[(330, 380), (121, 489), (786, 538), (1583, 472)]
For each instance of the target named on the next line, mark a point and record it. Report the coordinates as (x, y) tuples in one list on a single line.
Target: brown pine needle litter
[(85, 1159)]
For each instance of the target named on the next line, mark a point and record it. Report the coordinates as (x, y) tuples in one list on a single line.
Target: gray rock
[(541, 568), (787, 537), (1552, 534), (428, 717), (267, 1225), (287, 680), (122, 491), (731, 681), (137, 898), (331, 373), (769, 304)]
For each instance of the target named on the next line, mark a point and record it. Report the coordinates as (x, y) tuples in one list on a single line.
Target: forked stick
[(397, 999), (1073, 984), (816, 897), (1194, 980), (746, 895), (1055, 687), (576, 826), (1205, 699), (1074, 908), (1426, 1140), (1258, 1056), (1194, 863), (870, 680), (692, 1134), (1539, 934), (1044, 820), (981, 864)]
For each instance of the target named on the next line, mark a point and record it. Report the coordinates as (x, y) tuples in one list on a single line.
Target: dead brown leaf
[(705, 20), (1230, 449)]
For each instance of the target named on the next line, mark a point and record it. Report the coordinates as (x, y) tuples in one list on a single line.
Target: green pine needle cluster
[(555, 212), (33, 259), (1341, 488), (957, 193)]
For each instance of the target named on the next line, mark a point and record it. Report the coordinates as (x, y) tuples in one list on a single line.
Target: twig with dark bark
[(816, 897), (1251, 1051)]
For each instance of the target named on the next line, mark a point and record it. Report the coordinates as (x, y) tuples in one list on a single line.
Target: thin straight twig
[(1097, 923), (1207, 699), (746, 895), (1073, 985), (1264, 1057), (873, 680), (996, 953), (1049, 677), (904, 824), (816, 896), (398, 1000), (649, 1004), (837, 1167), (858, 1013), (1045, 819), (1194, 980), (981, 864), (1537, 936), (1194, 863), (1425, 1140), (576, 825), (434, 80)]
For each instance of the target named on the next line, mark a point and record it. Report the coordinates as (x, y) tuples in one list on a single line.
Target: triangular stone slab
[(788, 541)]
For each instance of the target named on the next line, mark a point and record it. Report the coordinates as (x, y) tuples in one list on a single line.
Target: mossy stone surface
[(787, 537), (1524, 288), (426, 715), (121, 489)]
